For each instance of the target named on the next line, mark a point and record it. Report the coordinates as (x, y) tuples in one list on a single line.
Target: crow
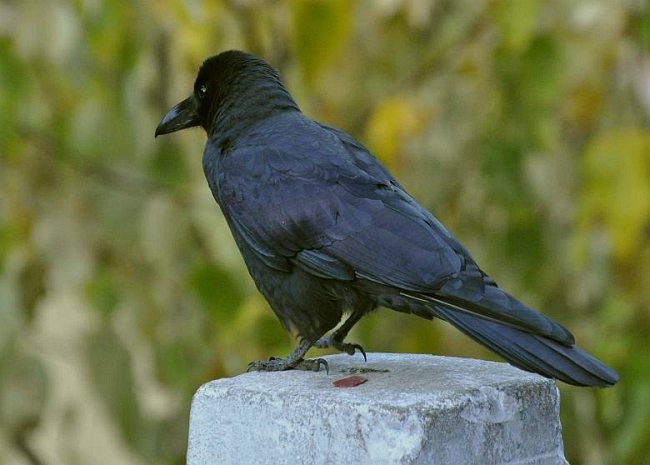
[(326, 231)]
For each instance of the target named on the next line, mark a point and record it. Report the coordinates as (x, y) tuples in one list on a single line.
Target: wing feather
[(323, 203)]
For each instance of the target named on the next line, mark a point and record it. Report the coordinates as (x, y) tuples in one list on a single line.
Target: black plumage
[(324, 230)]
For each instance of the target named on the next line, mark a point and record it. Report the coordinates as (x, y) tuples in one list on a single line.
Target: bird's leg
[(294, 361), (336, 338)]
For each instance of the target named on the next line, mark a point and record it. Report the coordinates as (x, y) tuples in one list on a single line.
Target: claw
[(322, 361), (363, 352), (351, 349), (347, 347)]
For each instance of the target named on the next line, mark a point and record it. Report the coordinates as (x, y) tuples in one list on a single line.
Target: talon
[(363, 352), (322, 361), (348, 348), (351, 349), (315, 364)]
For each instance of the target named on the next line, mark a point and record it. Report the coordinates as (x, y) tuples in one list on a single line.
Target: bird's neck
[(249, 106)]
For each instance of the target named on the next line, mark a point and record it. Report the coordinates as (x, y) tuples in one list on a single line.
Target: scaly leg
[(336, 338)]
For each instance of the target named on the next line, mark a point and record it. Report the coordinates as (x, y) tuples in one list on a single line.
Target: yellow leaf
[(617, 188), (390, 125)]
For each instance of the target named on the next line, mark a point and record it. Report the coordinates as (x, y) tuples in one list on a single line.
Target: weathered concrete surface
[(425, 410)]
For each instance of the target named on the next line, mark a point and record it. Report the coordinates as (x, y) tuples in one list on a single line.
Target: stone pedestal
[(415, 409)]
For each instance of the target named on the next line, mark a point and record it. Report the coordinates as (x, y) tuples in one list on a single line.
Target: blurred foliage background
[(523, 125)]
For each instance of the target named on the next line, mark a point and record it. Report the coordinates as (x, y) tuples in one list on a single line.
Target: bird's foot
[(281, 364), (347, 347)]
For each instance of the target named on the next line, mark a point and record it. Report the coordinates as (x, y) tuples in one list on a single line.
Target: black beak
[(184, 115)]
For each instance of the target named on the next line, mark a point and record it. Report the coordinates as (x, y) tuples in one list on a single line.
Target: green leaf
[(110, 367), (169, 166), (216, 289), (616, 168), (516, 21), (640, 26), (320, 29), (102, 292)]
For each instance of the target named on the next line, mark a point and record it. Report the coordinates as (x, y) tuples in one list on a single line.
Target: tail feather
[(532, 352)]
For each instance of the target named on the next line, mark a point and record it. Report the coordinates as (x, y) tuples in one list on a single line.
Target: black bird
[(325, 230)]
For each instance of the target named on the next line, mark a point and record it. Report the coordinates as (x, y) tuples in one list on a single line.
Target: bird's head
[(231, 90)]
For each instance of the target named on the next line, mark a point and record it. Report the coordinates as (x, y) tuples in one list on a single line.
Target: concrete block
[(422, 410)]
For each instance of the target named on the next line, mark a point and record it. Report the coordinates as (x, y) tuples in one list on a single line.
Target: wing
[(317, 206), (323, 203)]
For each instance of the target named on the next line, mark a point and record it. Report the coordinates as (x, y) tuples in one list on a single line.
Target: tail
[(525, 338), (532, 352)]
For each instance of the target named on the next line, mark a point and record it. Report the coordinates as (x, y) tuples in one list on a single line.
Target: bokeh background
[(523, 125)]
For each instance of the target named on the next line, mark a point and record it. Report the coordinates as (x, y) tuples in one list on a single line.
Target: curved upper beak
[(183, 115)]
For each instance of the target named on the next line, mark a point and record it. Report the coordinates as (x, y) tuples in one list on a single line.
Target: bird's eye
[(202, 91)]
